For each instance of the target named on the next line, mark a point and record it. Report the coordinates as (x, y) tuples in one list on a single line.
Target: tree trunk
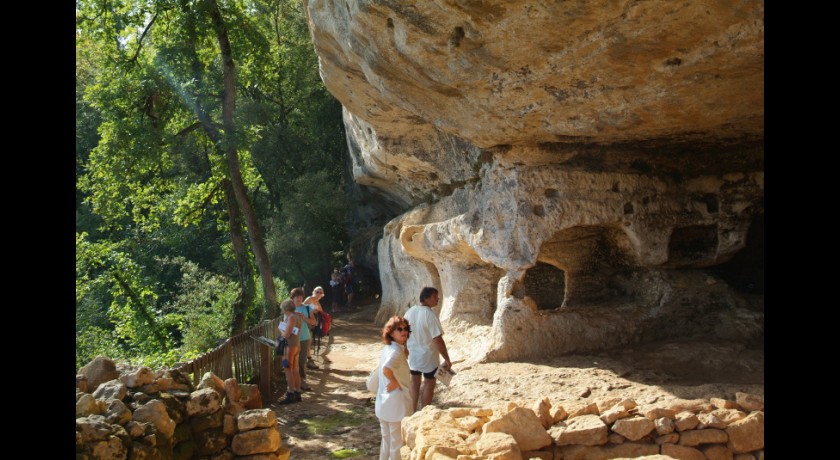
[(243, 266), (239, 190)]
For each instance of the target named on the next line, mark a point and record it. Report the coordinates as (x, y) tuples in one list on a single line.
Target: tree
[(208, 115), (157, 111)]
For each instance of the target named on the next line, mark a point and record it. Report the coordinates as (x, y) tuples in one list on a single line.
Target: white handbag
[(372, 381)]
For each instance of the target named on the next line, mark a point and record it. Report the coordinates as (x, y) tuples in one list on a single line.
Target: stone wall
[(714, 429), (136, 413)]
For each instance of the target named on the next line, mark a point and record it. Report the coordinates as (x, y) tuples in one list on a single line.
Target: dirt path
[(337, 417), (338, 414)]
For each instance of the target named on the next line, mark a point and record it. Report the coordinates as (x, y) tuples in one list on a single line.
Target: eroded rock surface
[(594, 168)]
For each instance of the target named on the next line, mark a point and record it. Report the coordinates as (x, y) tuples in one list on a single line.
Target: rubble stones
[(161, 418), (654, 435)]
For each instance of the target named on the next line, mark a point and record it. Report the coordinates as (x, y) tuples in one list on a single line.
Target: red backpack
[(322, 326), (326, 323)]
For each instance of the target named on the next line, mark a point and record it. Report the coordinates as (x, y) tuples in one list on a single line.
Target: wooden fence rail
[(240, 357)]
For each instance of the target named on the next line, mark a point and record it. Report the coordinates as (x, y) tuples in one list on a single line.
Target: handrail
[(238, 356)]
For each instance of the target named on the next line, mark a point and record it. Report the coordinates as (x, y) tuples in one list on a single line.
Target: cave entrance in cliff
[(546, 285), (690, 245), (591, 261), (745, 271)]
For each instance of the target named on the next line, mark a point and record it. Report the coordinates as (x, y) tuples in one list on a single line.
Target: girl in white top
[(393, 398), (315, 301)]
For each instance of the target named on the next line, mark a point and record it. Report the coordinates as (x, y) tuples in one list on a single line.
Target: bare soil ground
[(337, 417)]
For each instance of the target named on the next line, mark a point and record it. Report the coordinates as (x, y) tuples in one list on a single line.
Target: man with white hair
[(425, 346)]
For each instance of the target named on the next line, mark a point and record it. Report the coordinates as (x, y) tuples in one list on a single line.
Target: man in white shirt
[(425, 346)]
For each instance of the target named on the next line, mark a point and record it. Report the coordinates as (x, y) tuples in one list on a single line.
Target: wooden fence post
[(265, 374)]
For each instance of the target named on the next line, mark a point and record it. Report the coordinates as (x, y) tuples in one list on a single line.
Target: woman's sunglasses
[(402, 329)]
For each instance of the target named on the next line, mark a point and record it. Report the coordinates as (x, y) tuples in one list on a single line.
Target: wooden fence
[(240, 357)]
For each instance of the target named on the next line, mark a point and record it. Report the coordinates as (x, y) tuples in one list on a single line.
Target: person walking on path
[(309, 321), (393, 395), (315, 309), (290, 329), (425, 346), (336, 289), (347, 279)]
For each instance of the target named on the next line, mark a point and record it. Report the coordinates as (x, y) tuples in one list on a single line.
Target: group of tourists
[(299, 319), (341, 287), (413, 347)]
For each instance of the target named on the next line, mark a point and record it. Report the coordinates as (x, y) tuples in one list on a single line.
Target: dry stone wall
[(136, 413), (714, 429)]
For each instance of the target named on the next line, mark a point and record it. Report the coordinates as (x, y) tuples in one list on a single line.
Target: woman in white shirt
[(393, 397)]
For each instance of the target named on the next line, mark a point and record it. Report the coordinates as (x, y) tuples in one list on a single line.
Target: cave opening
[(546, 285), (689, 245), (745, 271)]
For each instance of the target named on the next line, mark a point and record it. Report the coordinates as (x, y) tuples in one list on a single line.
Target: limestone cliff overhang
[(524, 72), (578, 165)]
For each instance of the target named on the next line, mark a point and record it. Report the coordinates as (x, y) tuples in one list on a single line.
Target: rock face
[(518, 72), (594, 168)]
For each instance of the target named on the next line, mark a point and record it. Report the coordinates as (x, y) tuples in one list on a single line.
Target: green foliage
[(155, 275), (348, 453), (104, 266), (160, 358), (311, 225), (201, 307), (255, 314), (95, 341)]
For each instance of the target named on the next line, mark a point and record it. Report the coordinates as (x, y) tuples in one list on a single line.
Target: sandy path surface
[(338, 414)]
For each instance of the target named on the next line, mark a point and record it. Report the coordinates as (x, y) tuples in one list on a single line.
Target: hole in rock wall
[(456, 37), (546, 285), (692, 244), (712, 204), (745, 271), (596, 262)]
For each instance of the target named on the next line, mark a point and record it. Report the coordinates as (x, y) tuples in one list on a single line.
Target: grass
[(326, 424)]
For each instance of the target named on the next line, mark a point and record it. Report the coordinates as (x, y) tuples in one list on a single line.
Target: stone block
[(523, 425), (747, 434), (256, 441), (706, 436), (634, 428), (586, 430), (682, 452), (256, 418), (499, 445), (717, 452), (606, 452), (750, 402)]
